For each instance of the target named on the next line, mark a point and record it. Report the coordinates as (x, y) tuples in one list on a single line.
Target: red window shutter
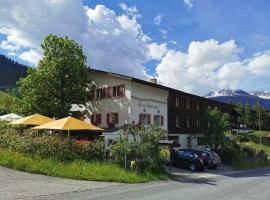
[(99, 118), (92, 119), (117, 118), (162, 120), (140, 118), (108, 118), (148, 119), (122, 90), (109, 92)]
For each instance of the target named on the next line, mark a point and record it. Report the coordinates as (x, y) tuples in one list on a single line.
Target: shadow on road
[(207, 181), (250, 173)]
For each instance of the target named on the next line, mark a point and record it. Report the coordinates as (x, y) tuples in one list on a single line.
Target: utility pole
[(126, 140), (260, 126)]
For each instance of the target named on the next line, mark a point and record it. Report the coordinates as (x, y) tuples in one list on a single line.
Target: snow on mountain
[(261, 94), (227, 92)]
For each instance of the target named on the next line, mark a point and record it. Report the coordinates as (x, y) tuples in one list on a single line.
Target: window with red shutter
[(116, 118), (140, 118), (104, 91), (108, 118), (148, 119), (162, 120), (92, 119), (99, 118), (122, 90), (109, 92), (159, 120)]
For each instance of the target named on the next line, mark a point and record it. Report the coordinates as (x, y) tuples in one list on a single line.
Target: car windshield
[(198, 154), (214, 154)]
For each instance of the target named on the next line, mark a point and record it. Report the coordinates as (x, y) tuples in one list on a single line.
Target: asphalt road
[(246, 185)]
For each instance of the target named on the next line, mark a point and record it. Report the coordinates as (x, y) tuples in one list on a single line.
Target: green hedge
[(49, 146), (240, 155)]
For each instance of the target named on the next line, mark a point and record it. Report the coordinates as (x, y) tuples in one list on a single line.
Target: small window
[(145, 119), (96, 119), (198, 123), (177, 122), (112, 118), (197, 106), (116, 90), (159, 120), (99, 93), (176, 101), (182, 103), (188, 104), (188, 123)]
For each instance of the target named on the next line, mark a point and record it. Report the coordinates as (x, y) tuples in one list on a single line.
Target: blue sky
[(193, 45), (245, 21)]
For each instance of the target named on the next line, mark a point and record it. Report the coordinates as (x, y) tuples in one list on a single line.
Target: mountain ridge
[(241, 96)]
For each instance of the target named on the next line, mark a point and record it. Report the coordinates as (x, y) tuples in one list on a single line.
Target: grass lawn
[(94, 171), (255, 144)]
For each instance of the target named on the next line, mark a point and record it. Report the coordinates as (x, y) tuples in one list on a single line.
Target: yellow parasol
[(68, 124), (35, 119)]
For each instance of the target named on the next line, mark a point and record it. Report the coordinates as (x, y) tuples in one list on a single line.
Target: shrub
[(48, 146), (142, 151), (92, 151)]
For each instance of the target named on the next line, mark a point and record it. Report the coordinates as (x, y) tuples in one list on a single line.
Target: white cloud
[(31, 56), (130, 11), (231, 74), (205, 66), (111, 42), (117, 43), (157, 51), (163, 32), (259, 64), (157, 19), (189, 4), (9, 46)]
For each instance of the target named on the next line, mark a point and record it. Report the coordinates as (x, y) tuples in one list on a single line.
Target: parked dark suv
[(189, 158), (211, 159)]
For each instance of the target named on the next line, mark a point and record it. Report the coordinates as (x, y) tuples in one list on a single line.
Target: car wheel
[(214, 167), (192, 167)]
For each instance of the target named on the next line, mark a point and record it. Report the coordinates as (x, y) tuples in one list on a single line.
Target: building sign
[(148, 105)]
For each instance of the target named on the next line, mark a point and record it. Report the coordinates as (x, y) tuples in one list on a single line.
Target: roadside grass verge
[(252, 140), (78, 169)]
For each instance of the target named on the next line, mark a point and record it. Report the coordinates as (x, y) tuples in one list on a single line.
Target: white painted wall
[(147, 99), (128, 106), (119, 105), (183, 141)]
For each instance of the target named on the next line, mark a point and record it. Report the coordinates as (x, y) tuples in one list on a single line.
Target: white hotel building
[(116, 100)]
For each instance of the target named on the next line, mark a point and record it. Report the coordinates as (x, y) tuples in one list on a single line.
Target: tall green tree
[(240, 109), (248, 115), (218, 124), (59, 80)]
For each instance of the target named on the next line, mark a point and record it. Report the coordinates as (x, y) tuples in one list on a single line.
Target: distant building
[(116, 100)]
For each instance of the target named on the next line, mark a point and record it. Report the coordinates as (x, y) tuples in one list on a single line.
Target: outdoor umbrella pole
[(68, 133)]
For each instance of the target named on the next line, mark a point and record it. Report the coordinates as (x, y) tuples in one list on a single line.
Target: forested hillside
[(10, 72)]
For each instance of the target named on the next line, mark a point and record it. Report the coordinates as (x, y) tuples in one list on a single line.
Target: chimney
[(153, 80)]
